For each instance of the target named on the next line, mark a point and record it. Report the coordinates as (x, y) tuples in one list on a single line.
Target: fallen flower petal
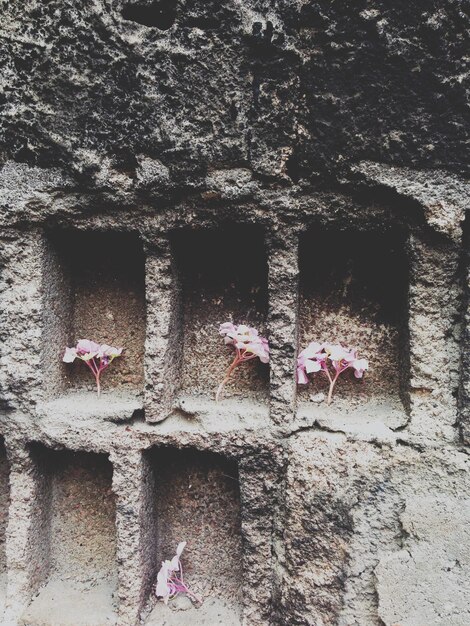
[(163, 589), (170, 578)]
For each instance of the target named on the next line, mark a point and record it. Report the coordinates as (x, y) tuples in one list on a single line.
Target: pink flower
[(163, 588), (109, 351), (360, 366), (247, 339), (87, 348), (70, 355), (170, 578), (97, 357), (248, 345), (317, 357)]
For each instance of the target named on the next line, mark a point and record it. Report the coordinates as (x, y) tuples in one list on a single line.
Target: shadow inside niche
[(195, 497), (353, 290), (223, 274), (75, 557), (159, 14)]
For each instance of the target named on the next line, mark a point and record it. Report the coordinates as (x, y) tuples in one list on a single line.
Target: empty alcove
[(195, 497), (94, 289), (353, 290), (76, 532), (4, 506), (223, 277)]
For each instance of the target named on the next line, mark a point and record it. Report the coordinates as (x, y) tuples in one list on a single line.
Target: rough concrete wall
[(4, 505), (284, 87), (167, 165), (375, 534)]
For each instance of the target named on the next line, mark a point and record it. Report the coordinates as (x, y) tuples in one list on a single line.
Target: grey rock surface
[(169, 165)]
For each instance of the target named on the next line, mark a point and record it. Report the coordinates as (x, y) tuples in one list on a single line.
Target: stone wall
[(167, 166)]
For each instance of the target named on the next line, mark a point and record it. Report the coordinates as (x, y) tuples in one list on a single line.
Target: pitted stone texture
[(231, 183), (26, 190), (163, 341), (63, 604), (21, 309), (354, 291), (426, 582), (434, 337), (283, 284), (77, 513), (180, 612), (353, 513), (207, 114), (94, 289), (464, 396), (445, 198), (4, 505), (135, 541), (293, 89), (197, 499)]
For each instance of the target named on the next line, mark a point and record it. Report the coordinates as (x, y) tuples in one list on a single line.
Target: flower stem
[(332, 386), (98, 386), (234, 364)]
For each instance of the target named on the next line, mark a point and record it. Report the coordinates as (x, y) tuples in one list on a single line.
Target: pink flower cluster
[(97, 357), (248, 345), (170, 578), (332, 360), (246, 340)]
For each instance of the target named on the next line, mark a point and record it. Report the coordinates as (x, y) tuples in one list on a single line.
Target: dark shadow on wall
[(158, 14), (223, 273)]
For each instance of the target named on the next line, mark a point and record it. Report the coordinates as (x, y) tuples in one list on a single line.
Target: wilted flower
[(97, 357), (170, 578), (248, 345), (321, 357)]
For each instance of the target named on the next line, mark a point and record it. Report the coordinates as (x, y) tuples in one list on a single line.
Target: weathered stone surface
[(300, 166), (374, 534), (426, 581), (444, 197), (291, 89)]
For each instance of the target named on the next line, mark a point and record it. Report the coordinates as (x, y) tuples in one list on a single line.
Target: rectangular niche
[(94, 288), (4, 506), (76, 532), (223, 277), (195, 497), (354, 290)]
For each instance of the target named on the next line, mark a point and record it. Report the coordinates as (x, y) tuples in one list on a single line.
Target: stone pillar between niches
[(260, 481), (135, 554), (163, 345), (464, 391), (283, 285), (434, 345), (27, 547), (21, 256)]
